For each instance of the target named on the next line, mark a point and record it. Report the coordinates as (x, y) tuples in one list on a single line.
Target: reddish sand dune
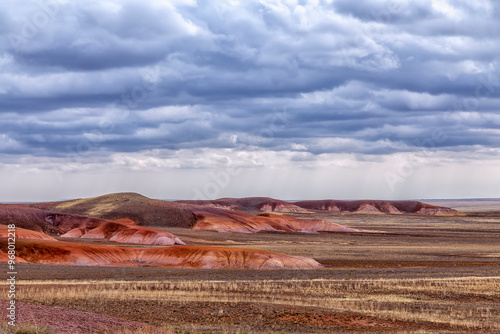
[(231, 221), (22, 233), (59, 252), (250, 203), (377, 207)]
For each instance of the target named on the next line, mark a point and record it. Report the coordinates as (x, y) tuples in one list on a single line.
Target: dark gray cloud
[(367, 77)]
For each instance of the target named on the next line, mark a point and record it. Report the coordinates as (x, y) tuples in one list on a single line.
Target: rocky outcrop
[(67, 253)]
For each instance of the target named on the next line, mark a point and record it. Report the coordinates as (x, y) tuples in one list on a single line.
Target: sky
[(297, 99)]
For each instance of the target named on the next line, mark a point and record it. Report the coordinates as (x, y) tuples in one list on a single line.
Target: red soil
[(375, 206), (219, 220), (67, 253), (21, 233), (77, 226), (67, 321), (24, 217), (124, 233), (4, 257), (125, 221), (140, 209)]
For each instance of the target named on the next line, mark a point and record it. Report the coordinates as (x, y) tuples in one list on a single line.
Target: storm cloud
[(157, 86)]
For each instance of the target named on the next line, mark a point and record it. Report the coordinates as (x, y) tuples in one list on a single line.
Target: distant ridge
[(357, 206), (244, 215)]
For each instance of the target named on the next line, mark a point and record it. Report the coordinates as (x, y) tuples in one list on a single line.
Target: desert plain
[(381, 272)]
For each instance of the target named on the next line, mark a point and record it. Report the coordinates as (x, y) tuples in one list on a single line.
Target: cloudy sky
[(294, 99)]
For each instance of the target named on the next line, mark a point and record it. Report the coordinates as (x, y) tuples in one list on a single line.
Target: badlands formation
[(361, 206), (69, 253), (251, 203), (131, 218), (22, 233), (377, 207), (214, 219), (77, 226), (226, 215)]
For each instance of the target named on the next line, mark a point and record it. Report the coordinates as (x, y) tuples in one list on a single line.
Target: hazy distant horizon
[(185, 99), (283, 199)]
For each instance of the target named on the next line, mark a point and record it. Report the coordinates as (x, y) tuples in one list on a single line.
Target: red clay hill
[(32, 223), (21, 233), (68, 253), (135, 207), (197, 215), (220, 220), (223, 215), (123, 217)]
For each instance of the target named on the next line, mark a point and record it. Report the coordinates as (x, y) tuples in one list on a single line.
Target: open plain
[(404, 274)]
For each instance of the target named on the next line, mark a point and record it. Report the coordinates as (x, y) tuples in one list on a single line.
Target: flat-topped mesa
[(377, 207), (68, 253), (251, 204)]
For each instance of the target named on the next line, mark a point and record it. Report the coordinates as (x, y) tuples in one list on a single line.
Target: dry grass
[(25, 329), (460, 303)]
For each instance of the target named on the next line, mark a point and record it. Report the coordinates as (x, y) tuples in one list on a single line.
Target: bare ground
[(412, 247)]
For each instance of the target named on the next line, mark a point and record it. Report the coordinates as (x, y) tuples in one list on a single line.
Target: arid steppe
[(403, 274)]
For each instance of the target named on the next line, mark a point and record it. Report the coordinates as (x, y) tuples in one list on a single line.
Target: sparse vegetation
[(134, 206), (458, 303), (427, 275), (25, 329)]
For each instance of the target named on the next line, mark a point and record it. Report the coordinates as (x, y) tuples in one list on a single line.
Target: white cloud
[(263, 85)]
